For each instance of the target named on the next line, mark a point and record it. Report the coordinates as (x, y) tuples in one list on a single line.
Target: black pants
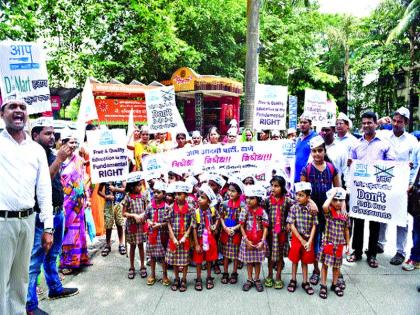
[(358, 233)]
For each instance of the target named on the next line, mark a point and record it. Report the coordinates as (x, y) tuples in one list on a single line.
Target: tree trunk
[(251, 68), (411, 88)]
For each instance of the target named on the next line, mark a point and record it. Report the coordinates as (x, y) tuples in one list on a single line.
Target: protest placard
[(108, 155), (162, 113), (24, 75), (315, 106), (238, 158), (270, 107), (292, 111), (378, 191)]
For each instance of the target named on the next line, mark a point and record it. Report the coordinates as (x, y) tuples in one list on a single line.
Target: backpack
[(329, 165)]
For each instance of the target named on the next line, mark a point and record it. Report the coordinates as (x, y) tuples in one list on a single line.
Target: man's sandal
[(198, 285), (268, 282), (183, 286), (209, 283), (131, 273), (175, 285), (233, 278), (225, 278), (291, 287), (337, 290), (151, 280), (307, 287), (258, 286), (323, 292), (354, 258), (314, 279), (105, 252), (247, 285), (372, 262)]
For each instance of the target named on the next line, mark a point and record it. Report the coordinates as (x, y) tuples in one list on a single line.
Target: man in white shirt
[(24, 171), (343, 125), (403, 144)]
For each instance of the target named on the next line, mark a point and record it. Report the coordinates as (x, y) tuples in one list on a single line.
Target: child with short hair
[(254, 224), (278, 206), (206, 222), (303, 226), (180, 221), (134, 210), (230, 236), (158, 234), (336, 236)]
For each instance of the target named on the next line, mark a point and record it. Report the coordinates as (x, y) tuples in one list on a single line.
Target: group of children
[(199, 220)]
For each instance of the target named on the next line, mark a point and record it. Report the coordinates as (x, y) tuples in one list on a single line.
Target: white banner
[(270, 107), (162, 113), (23, 74), (257, 158), (315, 106), (108, 155), (378, 191)]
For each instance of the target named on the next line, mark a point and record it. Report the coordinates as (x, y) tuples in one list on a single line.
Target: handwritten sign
[(315, 106), (378, 191), (23, 75), (270, 107), (108, 155), (162, 113)]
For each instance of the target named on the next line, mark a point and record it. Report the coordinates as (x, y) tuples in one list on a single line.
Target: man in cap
[(196, 138), (24, 171), (343, 125), (403, 144), (302, 145), (43, 133), (275, 134), (368, 148), (291, 134)]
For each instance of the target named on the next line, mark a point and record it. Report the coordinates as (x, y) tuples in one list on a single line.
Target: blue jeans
[(48, 261), (415, 251)]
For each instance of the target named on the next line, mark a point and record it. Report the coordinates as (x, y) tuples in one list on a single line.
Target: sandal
[(341, 283), (209, 283), (131, 273), (143, 272), (278, 284), (217, 270), (166, 282), (151, 280), (268, 282), (105, 252), (291, 287), (225, 278), (121, 249), (323, 292), (259, 286), (240, 265), (247, 285), (183, 286), (198, 285), (372, 262), (233, 278), (66, 271), (337, 290), (354, 257), (314, 279), (307, 287), (175, 284)]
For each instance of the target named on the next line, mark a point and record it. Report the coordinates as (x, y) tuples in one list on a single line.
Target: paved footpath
[(105, 289)]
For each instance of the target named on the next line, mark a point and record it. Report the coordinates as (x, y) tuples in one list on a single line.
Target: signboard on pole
[(292, 111), (270, 107), (23, 75)]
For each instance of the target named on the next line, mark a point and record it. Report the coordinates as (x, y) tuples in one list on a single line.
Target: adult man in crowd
[(369, 148), (303, 149), (43, 133), (343, 125), (24, 171), (403, 144)]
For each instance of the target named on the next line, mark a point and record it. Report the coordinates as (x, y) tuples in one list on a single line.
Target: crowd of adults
[(46, 189)]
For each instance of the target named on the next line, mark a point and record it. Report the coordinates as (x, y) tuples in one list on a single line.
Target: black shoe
[(379, 249), (65, 293), (37, 311), (398, 259)]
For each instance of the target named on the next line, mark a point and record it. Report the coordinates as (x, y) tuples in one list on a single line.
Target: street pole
[(251, 68)]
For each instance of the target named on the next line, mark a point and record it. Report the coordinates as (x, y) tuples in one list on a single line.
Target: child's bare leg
[(141, 252), (184, 273), (153, 267), (294, 271), (120, 235), (164, 270), (249, 268), (208, 264), (132, 253), (279, 269), (324, 274), (316, 267), (235, 265), (305, 272), (176, 272), (257, 271), (198, 267), (270, 268), (225, 265), (336, 273)]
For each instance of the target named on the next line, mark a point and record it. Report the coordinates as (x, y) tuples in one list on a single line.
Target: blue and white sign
[(293, 111)]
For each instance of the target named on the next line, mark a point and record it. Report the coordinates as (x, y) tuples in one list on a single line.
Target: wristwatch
[(49, 231)]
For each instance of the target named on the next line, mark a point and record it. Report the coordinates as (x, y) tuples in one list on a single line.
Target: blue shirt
[(375, 149), (303, 150)]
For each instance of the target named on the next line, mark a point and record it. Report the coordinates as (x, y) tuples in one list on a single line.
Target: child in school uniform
[(180, 221), (336, 237), (278, 206), (254, 225), (303, 225), (230, 236), (206, 222), (134, 210), (158, 234)]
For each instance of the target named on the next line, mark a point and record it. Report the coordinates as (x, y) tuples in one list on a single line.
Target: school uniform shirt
[(335, 230), (302, 219), (247, 218), (201, 224), (157, 238)]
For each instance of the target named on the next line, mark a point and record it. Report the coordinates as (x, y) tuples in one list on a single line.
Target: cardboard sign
[(315, 106)]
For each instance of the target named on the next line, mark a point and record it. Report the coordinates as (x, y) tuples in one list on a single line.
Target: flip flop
[(131, 273), (268, 282), (122, 249), (143, 272), (105, 252), (166, 282), (151, 280), (278, 284)]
